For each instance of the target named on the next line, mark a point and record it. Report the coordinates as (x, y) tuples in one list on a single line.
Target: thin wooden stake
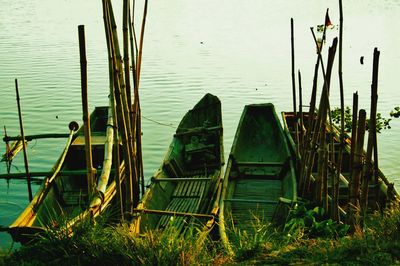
[(116, 149), (309, 159), (139, 61), (309, 132), (85, 110), (21, 127), (137, 102), (367, 173), (123, 121), (321, 117), (125, 20), (301, 115), (354, 185), (335, 212), (353, 132), (294, 91)]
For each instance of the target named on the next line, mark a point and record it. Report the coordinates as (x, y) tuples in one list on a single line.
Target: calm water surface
[(237, 50)]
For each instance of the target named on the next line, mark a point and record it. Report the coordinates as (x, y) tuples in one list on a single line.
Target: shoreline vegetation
[(307, 238)]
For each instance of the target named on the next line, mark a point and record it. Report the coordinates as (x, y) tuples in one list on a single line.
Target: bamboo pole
[(122, 121), (139, 60), (353, 131), (331, 170), (125, 20), (21, 127), (301, 115), (85, 110), (376, 173), (116, 155), (137, 101), (309, 131), (374, 137), (321, 117), (321, 183), (133, 30), (335, 212), (294, 92), (104, 177), (310, 156), (368, 168), (354, 200), (136, 120), (136, 140), (127, 116)]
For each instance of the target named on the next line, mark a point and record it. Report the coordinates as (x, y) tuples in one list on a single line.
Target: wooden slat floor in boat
[(263, 193), (74, 198), (185, 198)]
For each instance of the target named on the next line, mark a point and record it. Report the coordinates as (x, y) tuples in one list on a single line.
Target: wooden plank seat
[(198, 148), (198, 130), (252, 201), (269, 171), (180, 179), (240, 163)]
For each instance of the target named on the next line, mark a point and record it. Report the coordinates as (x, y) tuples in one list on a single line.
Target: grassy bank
[(306, 239)]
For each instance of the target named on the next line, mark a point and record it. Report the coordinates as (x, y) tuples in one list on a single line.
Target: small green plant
[(312, 223), (253, 240)]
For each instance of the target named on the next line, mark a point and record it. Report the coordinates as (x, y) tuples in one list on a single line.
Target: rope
[(159, 123)]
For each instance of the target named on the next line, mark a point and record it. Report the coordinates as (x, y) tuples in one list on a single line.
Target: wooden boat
[(185, 190), (259, 182), (62, 200), (386, 189)]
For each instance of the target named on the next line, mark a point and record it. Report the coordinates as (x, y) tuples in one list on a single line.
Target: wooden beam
[(179, 179), (37, 136), (172, 213)]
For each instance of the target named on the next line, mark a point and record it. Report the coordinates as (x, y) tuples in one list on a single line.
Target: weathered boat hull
[(260, 174), (184, 191), (62, 199)]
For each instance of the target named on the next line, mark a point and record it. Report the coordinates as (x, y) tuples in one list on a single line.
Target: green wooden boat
[(62, 200), (386, 190), (259, 181), (185, 190)]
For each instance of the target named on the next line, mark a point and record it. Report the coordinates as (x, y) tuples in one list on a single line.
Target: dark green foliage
[(312, 223), (336, 117), (381, 122), (395, 112), (248, 244)]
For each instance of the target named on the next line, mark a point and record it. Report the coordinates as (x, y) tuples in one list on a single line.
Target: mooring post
[(294, 92), (86, 118), (28, 179)]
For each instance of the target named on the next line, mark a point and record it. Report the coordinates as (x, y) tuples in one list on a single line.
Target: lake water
[(237, 50)]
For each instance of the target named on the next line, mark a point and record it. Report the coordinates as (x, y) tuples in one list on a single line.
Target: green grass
[(299, 243)]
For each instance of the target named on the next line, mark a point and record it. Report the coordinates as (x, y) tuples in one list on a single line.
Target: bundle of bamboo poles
[(127, 110), (318, 161)]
